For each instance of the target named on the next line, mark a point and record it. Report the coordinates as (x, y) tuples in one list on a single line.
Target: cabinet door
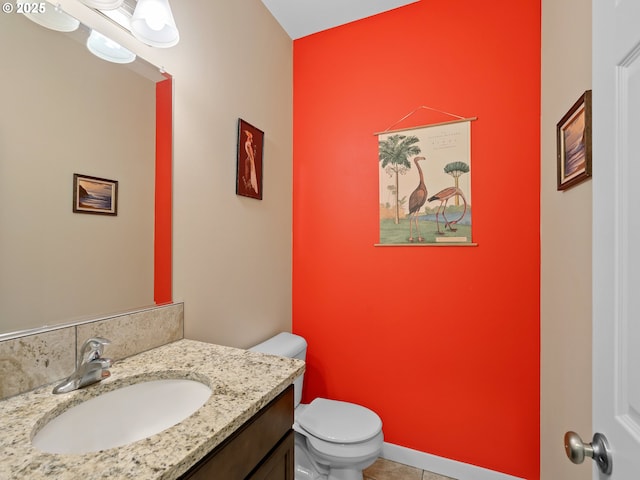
[(279, 464), (245, 451)]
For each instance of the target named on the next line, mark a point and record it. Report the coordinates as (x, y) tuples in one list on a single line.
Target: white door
[(616, 233)]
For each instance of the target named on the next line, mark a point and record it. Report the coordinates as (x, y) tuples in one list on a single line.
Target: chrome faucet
[(91, 367)]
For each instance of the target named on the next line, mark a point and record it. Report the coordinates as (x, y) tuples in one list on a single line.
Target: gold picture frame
[(574, 144)]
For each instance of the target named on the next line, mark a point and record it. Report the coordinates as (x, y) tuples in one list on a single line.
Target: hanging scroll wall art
[(425, 185)]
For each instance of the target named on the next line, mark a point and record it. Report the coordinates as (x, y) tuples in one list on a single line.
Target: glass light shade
[(103, 4), (106, 49), (53, 18), (152, 23)]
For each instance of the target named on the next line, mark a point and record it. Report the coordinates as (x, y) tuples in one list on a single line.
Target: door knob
[(598, 449)]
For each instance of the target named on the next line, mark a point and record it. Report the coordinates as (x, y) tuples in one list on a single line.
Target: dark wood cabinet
[(262, 449), (279, 463)]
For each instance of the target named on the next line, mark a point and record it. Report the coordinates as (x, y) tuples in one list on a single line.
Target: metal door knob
[(598, 449)]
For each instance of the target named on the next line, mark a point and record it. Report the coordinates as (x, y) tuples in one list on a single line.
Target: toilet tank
[(286, 345)]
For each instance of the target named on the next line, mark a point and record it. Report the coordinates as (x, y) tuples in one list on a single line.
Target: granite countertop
[(242, 383)]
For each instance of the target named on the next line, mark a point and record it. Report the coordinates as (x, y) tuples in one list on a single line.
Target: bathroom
[(486, 344)]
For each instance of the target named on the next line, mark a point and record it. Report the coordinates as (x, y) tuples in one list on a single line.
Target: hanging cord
[(419, 108)]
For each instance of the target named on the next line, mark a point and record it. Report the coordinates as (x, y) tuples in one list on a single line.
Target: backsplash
[(37, 359)]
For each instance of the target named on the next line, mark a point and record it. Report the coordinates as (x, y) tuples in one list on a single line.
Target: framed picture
[(94, 195), (249, 160), (574, 144), (436, 158)]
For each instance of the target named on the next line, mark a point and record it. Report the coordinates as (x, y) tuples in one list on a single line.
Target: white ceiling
[(300, 18)]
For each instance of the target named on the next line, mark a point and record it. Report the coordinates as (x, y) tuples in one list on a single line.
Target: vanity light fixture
[(152, 23), (106, 49), (103, 4), (52, 17)]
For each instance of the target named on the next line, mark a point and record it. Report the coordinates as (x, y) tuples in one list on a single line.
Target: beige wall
[(566, 247), (231, 254)]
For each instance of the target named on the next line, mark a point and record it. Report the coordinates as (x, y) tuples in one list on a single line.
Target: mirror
[(66, 112)]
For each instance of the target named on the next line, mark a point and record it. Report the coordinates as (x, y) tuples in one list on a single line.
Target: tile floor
[(387, 470)]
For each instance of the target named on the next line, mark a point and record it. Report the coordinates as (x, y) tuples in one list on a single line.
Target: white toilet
[(334, 440)]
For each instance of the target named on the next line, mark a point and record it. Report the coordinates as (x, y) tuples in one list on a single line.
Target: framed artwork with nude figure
[(249, 160)]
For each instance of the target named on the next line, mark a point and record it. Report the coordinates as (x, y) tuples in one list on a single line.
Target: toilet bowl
[(334, 440)]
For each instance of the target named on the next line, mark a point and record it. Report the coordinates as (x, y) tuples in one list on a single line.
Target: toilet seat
[(339, 422), (344, 454)]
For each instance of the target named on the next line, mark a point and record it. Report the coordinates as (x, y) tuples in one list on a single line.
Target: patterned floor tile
[(386, 470), (434, 476)]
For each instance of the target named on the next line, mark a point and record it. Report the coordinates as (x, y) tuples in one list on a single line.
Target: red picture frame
[(249, 160)]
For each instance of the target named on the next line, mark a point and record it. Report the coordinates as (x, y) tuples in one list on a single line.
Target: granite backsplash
[(35, 359)]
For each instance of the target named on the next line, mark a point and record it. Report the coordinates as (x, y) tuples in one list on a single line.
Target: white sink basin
[(122, 416)]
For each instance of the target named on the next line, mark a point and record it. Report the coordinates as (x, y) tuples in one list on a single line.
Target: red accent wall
[(163, 219), (442, 342)]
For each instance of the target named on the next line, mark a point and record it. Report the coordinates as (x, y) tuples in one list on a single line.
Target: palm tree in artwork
[(394, 153), (456, 169)]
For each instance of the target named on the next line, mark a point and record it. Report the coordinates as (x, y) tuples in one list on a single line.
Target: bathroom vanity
[(242, 431), (261, 449)]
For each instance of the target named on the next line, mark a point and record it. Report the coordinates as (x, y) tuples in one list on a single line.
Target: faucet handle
[(92, 349)]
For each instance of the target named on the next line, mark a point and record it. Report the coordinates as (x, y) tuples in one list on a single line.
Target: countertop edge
[(242, 383)]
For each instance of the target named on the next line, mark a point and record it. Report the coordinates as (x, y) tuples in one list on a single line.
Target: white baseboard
[(440, 465)]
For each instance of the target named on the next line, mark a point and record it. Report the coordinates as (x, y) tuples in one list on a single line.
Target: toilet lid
[(339, 422)]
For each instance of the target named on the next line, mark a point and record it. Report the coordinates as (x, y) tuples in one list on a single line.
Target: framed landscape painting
[(574, 144), (94, 195)]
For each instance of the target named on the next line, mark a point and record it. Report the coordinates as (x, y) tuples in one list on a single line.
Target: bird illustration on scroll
[(441, 155)]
